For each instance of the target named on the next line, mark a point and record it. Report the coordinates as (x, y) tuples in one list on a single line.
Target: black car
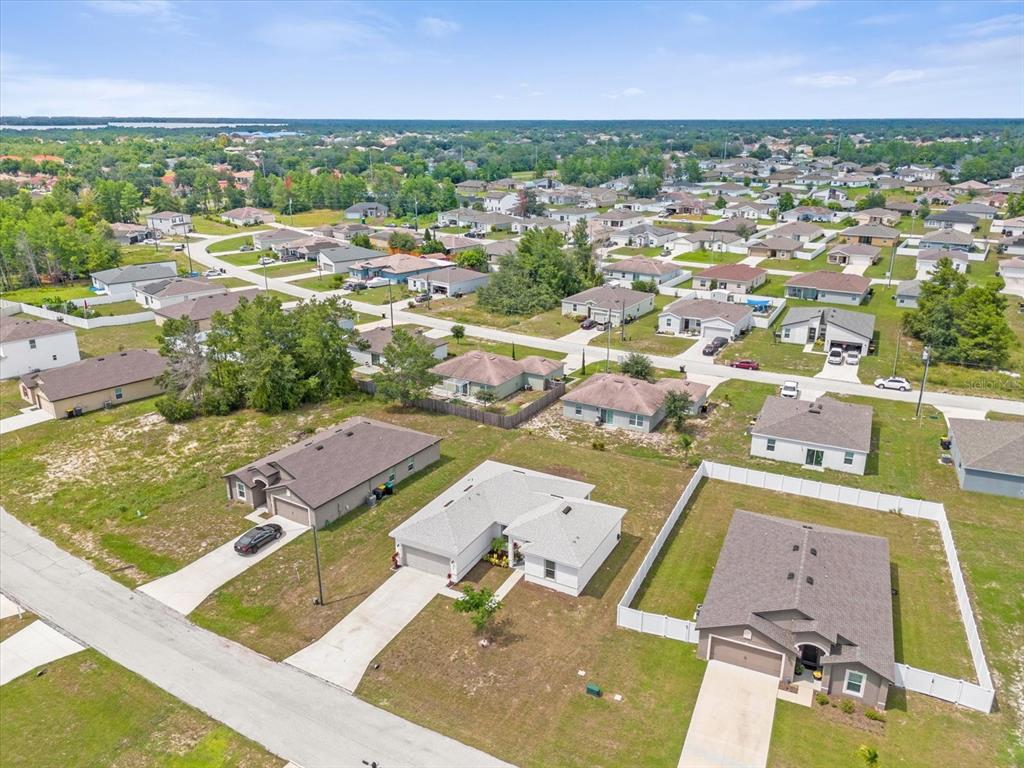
[(714, 346), (253, 541)]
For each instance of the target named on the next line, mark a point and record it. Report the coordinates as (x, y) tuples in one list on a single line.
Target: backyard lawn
[(924, 635), (903, 267), (10, 398), (469, 343), (231, 244), (87, 711), (380, 295), (710, 257), (103, 341), (818, 263), (117, 308), (37, 295), (628, 251), (205, 225)]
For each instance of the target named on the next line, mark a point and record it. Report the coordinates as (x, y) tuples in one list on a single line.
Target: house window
[(854, 683), (636, 420), (118, 394), (391, 476), (668, 322), (579, 410), (54, 357), (240, 490), (31, 343), (848, 458), (770, 445), (411, 465), (549, 569), (785, 333)]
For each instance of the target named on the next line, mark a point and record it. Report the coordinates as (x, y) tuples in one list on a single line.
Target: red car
[(749, 365)]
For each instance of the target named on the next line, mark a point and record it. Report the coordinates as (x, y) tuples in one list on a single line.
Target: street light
[(926, 356)]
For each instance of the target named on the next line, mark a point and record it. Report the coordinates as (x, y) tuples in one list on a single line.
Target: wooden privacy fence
[(500, 420)]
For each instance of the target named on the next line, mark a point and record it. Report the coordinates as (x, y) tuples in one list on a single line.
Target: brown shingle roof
[(705, 309), (204, 307), (733, 272), (622, 393), (642, 267), (378, 338), (608, 297), (96, 373), (831, 281), (17, 330), (491, 369), (178, 286)]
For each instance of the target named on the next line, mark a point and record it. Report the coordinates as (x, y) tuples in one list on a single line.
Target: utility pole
[(391, 305), (927, 357), (899, 341), (622, 319), (608, 345), (266, 285), (188, 252), (316, 553)]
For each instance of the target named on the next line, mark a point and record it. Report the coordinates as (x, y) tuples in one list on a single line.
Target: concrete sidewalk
[(343, 654), (35, 645), (184, 590), (27, 418)]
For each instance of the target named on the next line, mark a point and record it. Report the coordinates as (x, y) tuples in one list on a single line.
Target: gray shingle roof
[(909, 288), (181, 286), (706, 309), (608, 297), (991, 446), (642, 266), (822, 422), (96, 373), (205, 307), (488, 368), (823, 280), (336, 460), (860, 323), (622, 393), (133, 273), (841, 584), (343, 253)]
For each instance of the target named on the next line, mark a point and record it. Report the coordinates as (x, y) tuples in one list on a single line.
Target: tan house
[(785, 592), (617, 400), (333, 472), (870, 234), (477, 372), (736, 278), (94, 383), (774, 248)]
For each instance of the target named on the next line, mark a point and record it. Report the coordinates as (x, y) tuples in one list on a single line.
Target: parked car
[(790, 389), (588, 323), (179, 246), (246, 248), (714, 346), (423, 298), (853, 357), (835, 356), (149, 241), (353, 285), (252, 541), (264, 260), (745, 364), (893, 382), (377, 282), (213, 273)]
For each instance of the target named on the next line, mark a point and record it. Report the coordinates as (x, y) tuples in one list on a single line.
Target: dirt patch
[(855, 719), (551, 424)]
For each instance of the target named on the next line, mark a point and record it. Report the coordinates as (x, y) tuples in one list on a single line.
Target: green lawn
[(381, 296), (231, 244), (642, 335), (145, 254), (760, 345), (328, 282), (103, 341), (710, 257), (246, 259), (452, 230), (551, 324), (818, 263), (10, 398), (499, 348), (501, 234), (314, 218), (40, 294), (465, 310), (117, 308), (87, 711), (286, 269), (924, 636), (233, 282), (903, 268), (206, 225), (628, 251)]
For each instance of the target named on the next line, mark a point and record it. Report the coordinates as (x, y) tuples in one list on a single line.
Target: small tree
[(473, 258), (678, 406), (786, 202), (638, 366), (405, 374), (458, 332), (361, 240), (720, 202), (479, 604), (868, 754), (647, 286), (402, 241)]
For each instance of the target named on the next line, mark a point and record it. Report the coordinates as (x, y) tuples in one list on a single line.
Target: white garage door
[(426, 561)]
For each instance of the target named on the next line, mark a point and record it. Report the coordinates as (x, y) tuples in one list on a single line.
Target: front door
[(814, 457), (606, 416), (812, 334)]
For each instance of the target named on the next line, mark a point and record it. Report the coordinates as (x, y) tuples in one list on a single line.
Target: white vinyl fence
[(87, 324), (979, 696)]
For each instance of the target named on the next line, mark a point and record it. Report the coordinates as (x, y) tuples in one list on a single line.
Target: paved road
[(292, 714), (595, 354)]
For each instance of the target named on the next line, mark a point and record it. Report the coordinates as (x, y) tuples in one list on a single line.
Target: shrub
[(597, 444), (847, 706), (175, 409), (821, 698), (874, 714)]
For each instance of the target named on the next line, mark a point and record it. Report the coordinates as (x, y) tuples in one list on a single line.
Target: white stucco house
[(169, 223), (551, 528), (838, 327), (35, 345), (819, 434), (122, 281), (705, 318)]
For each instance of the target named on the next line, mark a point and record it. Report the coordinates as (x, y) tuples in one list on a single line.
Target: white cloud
[(432, 26), (998, 25), (793, 6), (696, 18), (133, 7), (825, 80), (902, 76)]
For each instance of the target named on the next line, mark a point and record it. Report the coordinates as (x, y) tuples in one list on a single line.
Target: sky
[(524, 60)]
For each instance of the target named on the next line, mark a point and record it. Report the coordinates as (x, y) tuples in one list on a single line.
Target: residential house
[(247, 216), (94, 383), (381, 238), (735, 278), (737, 226), (608, 303), (571, 215), (497, 201), (838, 327), (962, 222), (970, 187), (818, 434), (347, 231), (35, 345), (929, 258), (271, 239), (645, 236), (366, 211), (907, 294), (705, 318), (903, 208), (325, 477), (121, 281), (750, 211), (164, 293), (169, 223), (337, 259), (854, 255), (811, 213), (630, 270), (202, 309), (715, 242), (801, 231), (552, 531), (617, 400), (881, 216), (870, 234), (1011, 227), (832, 287), (129, 234), (785, 592), (448, 281), (369, 350), (988, 455), (396, 267), (947, 239), (774, 248), (478, 372), (618, 218), (304, 249), (977, 209)]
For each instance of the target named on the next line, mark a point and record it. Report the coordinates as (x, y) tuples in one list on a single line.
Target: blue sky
[(490, 60)]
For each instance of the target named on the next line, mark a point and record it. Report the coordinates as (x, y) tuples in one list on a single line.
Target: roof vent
[(815, 407), (810, 580), (796, 547), (567, 510), (814, 551), (806, 526), (124, 354), (349, 434), (790, 576), (318, 448)]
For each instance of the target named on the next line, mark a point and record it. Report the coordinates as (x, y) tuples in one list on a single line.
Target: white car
[(835, 356), (149, 241), (790, 389), (212, 273), (264, 260), (852, 357), (893, 382)]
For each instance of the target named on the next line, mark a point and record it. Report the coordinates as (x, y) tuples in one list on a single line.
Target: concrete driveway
[(35, 645), (342, 655), (184, 590), (27, 418), (842, 372), (731, 725)]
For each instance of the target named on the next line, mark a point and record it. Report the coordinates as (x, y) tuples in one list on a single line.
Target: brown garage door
[(422, 560), (757, 659), (294, 512)]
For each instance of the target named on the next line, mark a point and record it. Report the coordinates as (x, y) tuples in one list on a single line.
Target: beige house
[(617, 400), (494, 376), (94, 383), (334, 472), (736, 278)]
